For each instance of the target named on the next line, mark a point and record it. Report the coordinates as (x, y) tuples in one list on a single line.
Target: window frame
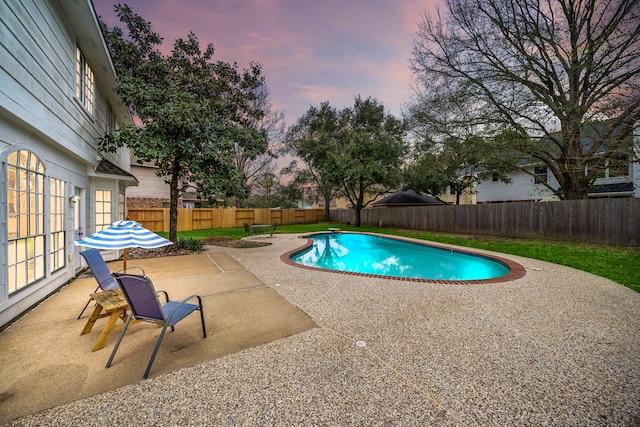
[(617, 166), (57, 229), (540, 177), (26, 227), (103, 209), (85, 87)]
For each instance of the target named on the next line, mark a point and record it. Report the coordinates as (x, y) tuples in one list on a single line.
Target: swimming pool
[(382, 256)]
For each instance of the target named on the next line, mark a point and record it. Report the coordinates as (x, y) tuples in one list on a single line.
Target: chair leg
[(155, 351), (204, 330), (85, 307), (115, 348), (87, 304), (161, 337)]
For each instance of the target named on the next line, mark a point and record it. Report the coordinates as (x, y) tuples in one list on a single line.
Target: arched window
[(25, 219)]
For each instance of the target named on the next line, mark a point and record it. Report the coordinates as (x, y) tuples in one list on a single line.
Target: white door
[(78, 226)]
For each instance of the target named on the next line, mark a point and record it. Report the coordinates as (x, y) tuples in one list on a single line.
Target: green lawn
[(620, 264)]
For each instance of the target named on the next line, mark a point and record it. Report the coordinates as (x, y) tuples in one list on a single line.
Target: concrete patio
[(556, 347)]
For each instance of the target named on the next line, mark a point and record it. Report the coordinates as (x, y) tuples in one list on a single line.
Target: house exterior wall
[(152, 190), (522, 187), (336, 203), (149, 186), (40, 113), (466, 198)]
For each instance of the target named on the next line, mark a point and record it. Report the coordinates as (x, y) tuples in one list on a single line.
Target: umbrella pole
[(124, 258)]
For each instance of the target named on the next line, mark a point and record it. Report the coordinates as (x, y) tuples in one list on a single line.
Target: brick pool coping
[(516, 271)]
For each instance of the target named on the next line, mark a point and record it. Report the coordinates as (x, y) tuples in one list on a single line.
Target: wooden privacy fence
[(614, 221), (157, 219)]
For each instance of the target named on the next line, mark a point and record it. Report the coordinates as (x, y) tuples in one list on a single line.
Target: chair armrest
[(166, 295), (139, 268), (180, 304)]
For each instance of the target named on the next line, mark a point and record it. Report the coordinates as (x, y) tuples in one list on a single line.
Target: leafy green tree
[(192, 110), (370, 153), (313, 138), (455, 163), (358, 150), (426, 174), (538, 68), (290, 195)]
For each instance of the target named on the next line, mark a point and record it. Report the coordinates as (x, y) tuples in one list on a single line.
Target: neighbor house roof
[(623, 187), (407, 198)]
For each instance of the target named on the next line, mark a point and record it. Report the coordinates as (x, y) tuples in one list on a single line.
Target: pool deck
[(557, 347)]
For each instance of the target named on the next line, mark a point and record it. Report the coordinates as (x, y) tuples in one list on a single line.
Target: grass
[(620, 264)]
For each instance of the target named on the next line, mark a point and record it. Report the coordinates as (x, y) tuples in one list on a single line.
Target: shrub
[(190, 244)]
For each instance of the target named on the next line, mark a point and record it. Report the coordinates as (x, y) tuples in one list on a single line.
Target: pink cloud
[(311, 52)]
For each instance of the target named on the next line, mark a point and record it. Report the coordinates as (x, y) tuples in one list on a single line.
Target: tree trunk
[(173, 207), (572, 178), (358, 207), (327, 217), (356, 212)]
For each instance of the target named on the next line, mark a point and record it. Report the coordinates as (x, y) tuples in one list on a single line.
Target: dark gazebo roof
[(407, 198)]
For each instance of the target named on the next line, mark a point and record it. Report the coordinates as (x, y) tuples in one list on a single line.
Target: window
[(121, 206), (540, 174), (25, 219), (56, 227), (617, 165), (103, 209), (495, 177), (110, 120), (85, 86)]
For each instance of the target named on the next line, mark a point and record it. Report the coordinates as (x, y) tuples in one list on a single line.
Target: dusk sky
[(310, 51)]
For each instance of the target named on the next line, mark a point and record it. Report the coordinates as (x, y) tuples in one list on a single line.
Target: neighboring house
[(341, 202), (153, 191), (523, 187), (621, 181), (449, 196), (338, 202), (57, 98)]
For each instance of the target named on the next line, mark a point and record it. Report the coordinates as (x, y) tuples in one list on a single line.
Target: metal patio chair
[(100, 271), (144, 304)]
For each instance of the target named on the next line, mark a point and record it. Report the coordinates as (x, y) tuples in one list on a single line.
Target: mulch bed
[(172, 250)]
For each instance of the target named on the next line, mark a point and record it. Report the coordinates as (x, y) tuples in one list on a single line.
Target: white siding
[(522, 187), (39, 112), (150, 185)]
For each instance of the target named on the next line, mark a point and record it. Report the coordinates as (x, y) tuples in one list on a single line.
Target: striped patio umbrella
[(123, 235)]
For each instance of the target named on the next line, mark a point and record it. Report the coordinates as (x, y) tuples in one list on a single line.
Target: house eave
[(108, 170), (84, 21), (129, 181)]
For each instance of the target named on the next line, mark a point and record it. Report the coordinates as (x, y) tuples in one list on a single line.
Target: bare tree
[(255, 162), (538, 70)]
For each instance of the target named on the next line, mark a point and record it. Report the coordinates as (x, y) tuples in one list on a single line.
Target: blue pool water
[(368, 254)]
